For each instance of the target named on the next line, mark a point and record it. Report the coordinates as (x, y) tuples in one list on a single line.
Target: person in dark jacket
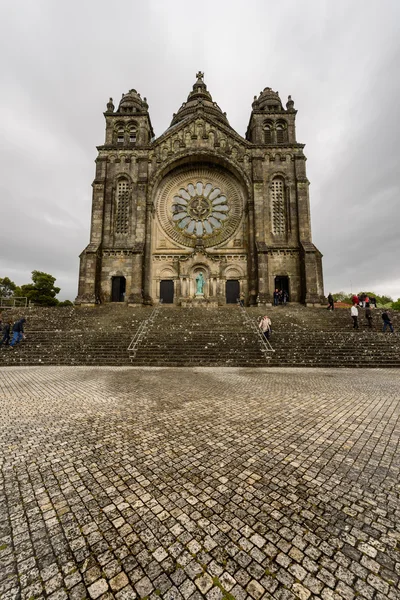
[(18, 332), (387, 322), (6, 334), (368, 315), (331, 303)]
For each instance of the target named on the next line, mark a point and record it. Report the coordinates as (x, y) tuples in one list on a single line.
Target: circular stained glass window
[(199, 203), (199, 209)]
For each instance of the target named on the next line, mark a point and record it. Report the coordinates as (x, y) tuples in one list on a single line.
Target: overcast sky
[(61, 60)]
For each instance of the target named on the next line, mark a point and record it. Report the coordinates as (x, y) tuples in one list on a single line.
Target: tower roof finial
[(200, 75)]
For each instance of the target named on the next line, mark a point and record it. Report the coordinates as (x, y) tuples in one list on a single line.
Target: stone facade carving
[(200, 198)]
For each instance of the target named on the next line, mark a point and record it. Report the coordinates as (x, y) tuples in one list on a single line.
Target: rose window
[(199, 210), (199, 202)]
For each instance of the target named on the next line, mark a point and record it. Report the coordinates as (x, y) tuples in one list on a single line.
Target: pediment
[(200, 130)]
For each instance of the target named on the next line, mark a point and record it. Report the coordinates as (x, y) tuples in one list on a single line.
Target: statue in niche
[(200, 281)]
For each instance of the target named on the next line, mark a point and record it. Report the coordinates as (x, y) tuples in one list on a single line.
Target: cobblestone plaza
[(199, 483)]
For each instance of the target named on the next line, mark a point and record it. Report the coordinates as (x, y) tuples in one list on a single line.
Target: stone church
[(200, 199)]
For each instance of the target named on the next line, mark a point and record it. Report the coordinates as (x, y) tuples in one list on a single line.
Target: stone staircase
[(305, 337), (200, 336), (301, 337), (75, 336)]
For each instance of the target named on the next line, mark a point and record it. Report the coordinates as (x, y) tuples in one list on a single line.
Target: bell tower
[(285, 251)]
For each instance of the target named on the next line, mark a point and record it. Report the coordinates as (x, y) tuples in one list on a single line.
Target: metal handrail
[(249, 321), (142, 331)]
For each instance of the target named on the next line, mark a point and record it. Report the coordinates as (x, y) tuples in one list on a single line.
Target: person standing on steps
[(18, 332), (331, 303), (354, 316), (387, 321), (265, 326), (368, 315)]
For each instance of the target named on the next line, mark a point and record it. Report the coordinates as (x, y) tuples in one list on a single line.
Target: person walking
[(265, 326), (368, 315), (387, 321), (354, 316), (276, 297), (18, 332), (6, 334), (331, 303)]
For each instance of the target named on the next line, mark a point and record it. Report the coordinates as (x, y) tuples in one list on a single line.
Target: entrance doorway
[(118, 287), (232, 291), (167, 291), (282, 283)]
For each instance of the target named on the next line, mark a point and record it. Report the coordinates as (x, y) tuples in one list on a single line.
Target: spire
[(199, 98)]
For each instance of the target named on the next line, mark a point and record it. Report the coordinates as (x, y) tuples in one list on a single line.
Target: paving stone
[(97, 588), (118, 582), (128, 483)]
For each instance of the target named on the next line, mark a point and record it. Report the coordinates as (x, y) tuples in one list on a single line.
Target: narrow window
[(267, 133), (281, 133), (278, 206), (132, 135), (120, 136), (122, 218)]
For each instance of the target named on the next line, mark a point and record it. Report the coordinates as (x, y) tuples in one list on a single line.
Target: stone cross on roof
[(199, 75)]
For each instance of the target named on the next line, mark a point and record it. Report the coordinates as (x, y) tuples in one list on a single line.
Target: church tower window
[(268, 133), (120, 136), (122, 218), (281, 133), (132, 135), (278, 206)]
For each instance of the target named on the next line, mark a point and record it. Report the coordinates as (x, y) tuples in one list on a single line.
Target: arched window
[(120, 135), (268, 133), (132, 134), (122, 212), (278, 213), (281, 132)]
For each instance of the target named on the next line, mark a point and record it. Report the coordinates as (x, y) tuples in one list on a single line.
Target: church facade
[(200, 199)]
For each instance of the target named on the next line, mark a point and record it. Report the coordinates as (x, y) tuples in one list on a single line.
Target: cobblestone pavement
[(199, 483)]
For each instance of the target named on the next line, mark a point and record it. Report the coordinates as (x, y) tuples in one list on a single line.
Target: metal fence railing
[(265, 344), (142, 331)]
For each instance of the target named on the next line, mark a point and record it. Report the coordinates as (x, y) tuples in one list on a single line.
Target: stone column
[(136, 293), (147, 255)]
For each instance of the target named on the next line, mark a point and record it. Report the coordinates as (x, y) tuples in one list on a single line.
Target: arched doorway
[(167, 291), (232, 290), (282, 283), (118, 287)]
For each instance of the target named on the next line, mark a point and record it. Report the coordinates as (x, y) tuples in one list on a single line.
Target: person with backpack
[(368, 315), (387, 322), (18, 332)]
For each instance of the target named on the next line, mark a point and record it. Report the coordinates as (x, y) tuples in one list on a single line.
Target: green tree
[(42, 291), (7, 287), (396, 305), (66, 303), (342, 297)]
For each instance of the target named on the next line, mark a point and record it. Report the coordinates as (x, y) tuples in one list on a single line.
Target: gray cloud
[(61, 61)]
